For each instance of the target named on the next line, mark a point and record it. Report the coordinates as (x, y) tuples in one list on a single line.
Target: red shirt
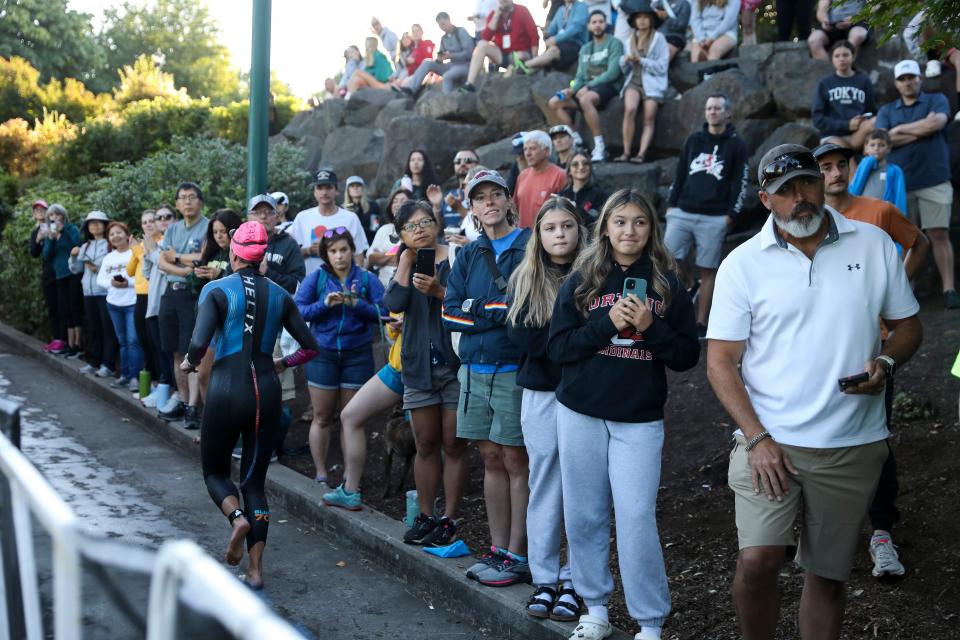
[(534, 188), (422, 50), (518, 25)]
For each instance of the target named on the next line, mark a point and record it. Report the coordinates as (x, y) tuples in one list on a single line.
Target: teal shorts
[(489, 407)]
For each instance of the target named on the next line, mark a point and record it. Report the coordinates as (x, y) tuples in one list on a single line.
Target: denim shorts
[(347, 369), (391, 378)]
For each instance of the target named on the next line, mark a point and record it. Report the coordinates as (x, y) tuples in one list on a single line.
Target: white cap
[(906, 67), (280, 197)]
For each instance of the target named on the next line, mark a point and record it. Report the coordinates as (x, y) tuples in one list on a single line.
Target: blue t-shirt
[(926, 162), (450, 217), (499, 246)]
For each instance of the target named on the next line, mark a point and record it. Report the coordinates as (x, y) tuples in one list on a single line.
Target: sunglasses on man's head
[(786, 163), (339, 231)]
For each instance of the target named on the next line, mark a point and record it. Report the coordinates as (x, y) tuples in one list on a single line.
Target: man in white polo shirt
[(796, 307)]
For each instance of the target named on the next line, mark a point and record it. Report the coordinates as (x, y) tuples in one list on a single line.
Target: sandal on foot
[(520, 66), (592, 628), (637, 160), (622, 158), (563, 610), (540, 602)]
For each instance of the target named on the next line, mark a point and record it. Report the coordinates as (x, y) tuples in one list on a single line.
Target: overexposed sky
[(308, 36)]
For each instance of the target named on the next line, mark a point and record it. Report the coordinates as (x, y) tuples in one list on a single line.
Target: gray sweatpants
[(452, 73), (603, 464), (538, 418)]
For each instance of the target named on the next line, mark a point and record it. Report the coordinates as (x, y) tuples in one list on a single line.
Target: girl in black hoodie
[(558, 237), (614, 351)]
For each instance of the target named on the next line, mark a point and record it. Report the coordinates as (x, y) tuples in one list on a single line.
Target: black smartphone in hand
[(852, 381), (425, 261)]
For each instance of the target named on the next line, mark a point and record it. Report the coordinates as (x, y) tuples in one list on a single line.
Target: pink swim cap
[(249, 242)]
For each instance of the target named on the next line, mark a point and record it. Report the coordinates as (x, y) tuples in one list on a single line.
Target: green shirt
[(381, 69), (599, 64)]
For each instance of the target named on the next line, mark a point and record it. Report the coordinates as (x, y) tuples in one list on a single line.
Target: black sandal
[(543, 596), (566, 591)]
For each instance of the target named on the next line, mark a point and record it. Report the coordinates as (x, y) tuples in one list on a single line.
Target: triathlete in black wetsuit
[(243, 314)]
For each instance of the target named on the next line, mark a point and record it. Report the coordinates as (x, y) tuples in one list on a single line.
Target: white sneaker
[(599, 152), (934, 69), (88, 368), (886, 561), (134, 385), (150, 401), (104, 372), (171, 403)]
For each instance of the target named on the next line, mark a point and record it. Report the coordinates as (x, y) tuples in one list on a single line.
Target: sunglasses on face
[(458, 161), (165, 216), (411, 227), (579, 165), (786, 163), (339, 231)]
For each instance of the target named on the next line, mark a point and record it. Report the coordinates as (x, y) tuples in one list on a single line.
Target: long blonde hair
[(595, 261), (370, 47), (533, 285)]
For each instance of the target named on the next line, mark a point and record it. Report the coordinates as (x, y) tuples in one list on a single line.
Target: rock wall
[(771, 86)]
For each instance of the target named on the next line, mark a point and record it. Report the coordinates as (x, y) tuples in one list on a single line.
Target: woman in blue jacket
[(489, 407), (61, 239), (340, 301)]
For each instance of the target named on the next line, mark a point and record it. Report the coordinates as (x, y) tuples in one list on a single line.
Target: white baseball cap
[(906, 67)]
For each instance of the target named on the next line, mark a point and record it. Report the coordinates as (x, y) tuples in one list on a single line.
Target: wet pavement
[(126, 483)]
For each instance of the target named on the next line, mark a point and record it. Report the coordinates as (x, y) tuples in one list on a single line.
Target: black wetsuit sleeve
[(209, 315), (295, 325)]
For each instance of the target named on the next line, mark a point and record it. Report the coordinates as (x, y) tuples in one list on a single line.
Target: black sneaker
[(174, 414), (467, 88), (443, 534), (74, 352), (951, 299), (191, 418), (702, 331), (422, 527)]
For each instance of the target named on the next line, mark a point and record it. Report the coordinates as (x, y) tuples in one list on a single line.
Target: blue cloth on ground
[(455, 550)]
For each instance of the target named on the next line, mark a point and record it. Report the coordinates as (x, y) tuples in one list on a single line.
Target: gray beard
[(800, 228)]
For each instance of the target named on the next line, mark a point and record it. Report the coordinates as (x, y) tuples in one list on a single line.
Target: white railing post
[(23, 531)]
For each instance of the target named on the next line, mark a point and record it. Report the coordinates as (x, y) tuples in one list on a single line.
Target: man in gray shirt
[(179, 250), (456, 49)]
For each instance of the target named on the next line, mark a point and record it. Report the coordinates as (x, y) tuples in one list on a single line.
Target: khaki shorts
[(834, 489), (445, 391), (489, 407), (930, 208)]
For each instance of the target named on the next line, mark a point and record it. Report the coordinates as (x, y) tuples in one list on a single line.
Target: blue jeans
[(131, 355)]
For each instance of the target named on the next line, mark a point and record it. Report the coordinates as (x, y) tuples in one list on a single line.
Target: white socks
[(598, 611)]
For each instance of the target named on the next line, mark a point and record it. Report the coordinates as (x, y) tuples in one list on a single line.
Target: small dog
[(397, 439)]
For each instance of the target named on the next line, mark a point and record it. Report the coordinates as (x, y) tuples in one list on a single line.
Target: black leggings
[(48, 284), (140, 324), (163, 359), (100, 332), (70, 302), (794, 12), (230, 411)]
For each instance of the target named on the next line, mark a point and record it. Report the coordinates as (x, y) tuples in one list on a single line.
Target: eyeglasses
[(339, 231), (411, 227), (787, 163), (190, 198), (263, 213), (165, 216), (458, 161), (580, 165)]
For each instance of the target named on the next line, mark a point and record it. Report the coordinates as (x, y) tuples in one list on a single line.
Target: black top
[(621, 376), (711, 176), (589, 201), (536, 371)]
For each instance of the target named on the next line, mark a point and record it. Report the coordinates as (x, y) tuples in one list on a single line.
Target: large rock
[(508, 105), (755, 132), (792, 77), (439, 138), (354, 151), (613, 176), (301, 123), (364, 105), (545, 87), (333, 112), (394, 108), (455, 107), (685, 75), (747, 97), (790, 133), (497, 155)]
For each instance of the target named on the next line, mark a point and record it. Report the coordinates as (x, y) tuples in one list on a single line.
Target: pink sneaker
[(55, 345)]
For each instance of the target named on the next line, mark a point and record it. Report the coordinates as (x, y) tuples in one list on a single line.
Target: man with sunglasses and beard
[(796, 308), (454, 208)]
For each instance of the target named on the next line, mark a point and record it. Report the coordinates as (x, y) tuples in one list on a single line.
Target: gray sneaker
[(489, 559), (88, 369), (134, 385), (509, 571), (104, 372), (172, 403)]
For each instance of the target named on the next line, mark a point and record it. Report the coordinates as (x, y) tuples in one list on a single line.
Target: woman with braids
[(558, 237), (621, 318), (243, 314)]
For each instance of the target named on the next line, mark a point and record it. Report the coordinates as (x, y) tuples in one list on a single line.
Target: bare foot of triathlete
[(254, 580), (234, 553)]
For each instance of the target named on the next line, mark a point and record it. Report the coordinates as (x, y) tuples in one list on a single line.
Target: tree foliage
[(941, 22), (182, 34), (58, 41), (144, 80)]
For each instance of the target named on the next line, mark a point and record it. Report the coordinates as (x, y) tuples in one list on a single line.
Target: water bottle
[(144, 383), (413, 508)]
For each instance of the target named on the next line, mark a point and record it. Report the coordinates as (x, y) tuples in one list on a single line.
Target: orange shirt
[(534, 188), (882, 214)]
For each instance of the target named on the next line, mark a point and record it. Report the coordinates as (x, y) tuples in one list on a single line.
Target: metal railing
[(180, 565)]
